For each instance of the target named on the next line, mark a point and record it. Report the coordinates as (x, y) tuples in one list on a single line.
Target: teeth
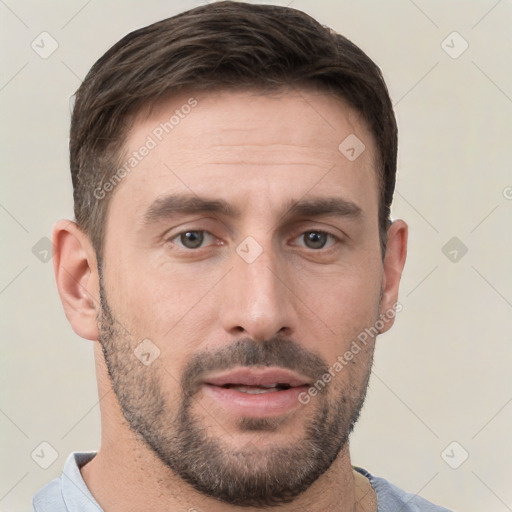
[(253, 390)]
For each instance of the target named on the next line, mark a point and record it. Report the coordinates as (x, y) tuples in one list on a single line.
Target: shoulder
[(391, 498), (68, 491), (49, 499)]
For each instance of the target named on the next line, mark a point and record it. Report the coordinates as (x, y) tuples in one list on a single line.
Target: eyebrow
[(323, 206), (179, 204)]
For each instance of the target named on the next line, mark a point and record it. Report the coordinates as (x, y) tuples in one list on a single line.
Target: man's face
[(249, 301)]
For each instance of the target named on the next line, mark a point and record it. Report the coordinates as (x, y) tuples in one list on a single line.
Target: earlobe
[(394, 261), (75, 268)]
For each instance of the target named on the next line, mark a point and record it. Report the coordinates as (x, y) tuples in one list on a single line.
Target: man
[(233, 260)]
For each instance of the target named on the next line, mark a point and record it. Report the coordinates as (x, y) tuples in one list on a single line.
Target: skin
[(258, 152)]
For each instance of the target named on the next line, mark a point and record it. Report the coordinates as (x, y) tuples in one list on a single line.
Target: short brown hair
[(221, 45)]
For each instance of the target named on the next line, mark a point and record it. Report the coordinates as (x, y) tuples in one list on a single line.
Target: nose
[(257, 299)]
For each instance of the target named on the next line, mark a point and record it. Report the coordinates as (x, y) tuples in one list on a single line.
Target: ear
[(75, 267), (394, 261)]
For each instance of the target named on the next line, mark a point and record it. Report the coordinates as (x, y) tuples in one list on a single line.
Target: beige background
[(441, 375)]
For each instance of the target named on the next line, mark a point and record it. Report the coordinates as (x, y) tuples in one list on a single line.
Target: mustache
[(277, 351)]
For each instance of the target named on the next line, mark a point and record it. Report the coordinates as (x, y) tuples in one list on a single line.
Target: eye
[(316, 239), (192, 239)]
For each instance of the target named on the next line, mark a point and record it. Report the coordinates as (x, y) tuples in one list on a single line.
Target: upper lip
[(258, 377)]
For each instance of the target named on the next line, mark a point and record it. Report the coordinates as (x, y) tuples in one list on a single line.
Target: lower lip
[(268, 405)]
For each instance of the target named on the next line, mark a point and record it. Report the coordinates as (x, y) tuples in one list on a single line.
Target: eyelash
[(333, 237)]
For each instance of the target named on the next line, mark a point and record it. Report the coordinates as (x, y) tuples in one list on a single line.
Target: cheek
[(347, 303), (163, 305), (346, 297), (134, 303)]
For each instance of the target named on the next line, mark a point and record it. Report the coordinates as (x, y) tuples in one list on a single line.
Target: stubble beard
[(246, 476)]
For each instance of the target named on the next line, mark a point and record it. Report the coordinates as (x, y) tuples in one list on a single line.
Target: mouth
[(256, 392), (258, 380)]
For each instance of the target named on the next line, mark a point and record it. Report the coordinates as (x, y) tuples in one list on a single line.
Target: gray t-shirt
[(68, 493)]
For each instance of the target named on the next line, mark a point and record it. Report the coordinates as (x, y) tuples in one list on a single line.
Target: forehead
[(247, 147)]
